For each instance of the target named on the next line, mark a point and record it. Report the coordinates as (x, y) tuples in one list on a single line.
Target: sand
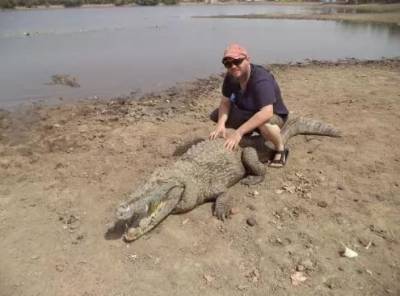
[(64, 169)]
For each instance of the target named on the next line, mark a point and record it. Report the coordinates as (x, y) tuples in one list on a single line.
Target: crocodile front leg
[(254, 167), (223, 205)]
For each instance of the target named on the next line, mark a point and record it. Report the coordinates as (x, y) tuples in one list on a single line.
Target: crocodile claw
[(221, 211)]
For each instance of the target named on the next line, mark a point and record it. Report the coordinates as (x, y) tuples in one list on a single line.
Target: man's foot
[(280, 159)]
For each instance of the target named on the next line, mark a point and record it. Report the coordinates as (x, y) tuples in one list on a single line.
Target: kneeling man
[(251, 101)]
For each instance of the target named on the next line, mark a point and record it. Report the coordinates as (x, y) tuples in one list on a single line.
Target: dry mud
[(64, 169)]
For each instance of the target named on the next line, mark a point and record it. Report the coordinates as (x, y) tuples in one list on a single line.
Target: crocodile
[(203, 173)]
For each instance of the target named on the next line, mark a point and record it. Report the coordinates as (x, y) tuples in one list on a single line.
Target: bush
[(147, 2), (7, 4), (170, 2), (72, 3)]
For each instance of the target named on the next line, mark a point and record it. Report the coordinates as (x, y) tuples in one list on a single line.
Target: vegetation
[(9, 4)]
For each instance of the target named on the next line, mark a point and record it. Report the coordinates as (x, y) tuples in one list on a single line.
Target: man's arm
[(223, 110), (255, 121), (223, 113)]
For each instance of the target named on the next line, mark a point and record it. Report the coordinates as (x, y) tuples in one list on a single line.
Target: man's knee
[(214, 115), (272, 128)]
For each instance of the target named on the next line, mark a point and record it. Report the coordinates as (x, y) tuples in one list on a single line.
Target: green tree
[(147, 2), (170, 2), (7, 4)]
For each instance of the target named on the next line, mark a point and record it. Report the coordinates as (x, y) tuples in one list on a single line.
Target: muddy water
[(116, 51)]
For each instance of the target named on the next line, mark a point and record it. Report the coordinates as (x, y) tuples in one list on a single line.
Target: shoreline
[(192, 86), (383, 18)]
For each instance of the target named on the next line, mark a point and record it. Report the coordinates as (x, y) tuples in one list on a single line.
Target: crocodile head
[(146, 208)]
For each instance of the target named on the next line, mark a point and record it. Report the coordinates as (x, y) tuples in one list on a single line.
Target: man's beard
[(242, 77)]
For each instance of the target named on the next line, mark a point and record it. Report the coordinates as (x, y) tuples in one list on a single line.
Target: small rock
[(60, 267), (307, 263), (322, 204), (235, 210), (364, 241), (251, 221), (208, 278), (132, 257), (253, 275), (289, 188), (333, 283), (297, 278), (307, 195), (242, 287), (251, 207), (300, 267), (349, 253)]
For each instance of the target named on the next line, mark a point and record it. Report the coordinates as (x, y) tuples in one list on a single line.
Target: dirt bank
[(64, 169), (369, 13)]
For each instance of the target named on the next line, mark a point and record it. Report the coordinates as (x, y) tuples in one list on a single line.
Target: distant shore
[(364, 13)]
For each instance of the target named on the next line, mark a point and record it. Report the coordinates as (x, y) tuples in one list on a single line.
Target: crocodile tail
[(307, 126)]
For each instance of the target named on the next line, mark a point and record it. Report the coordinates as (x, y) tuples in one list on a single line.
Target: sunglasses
[(229, 63)]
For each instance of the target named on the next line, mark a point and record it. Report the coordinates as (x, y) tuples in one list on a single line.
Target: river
[(118, 50)]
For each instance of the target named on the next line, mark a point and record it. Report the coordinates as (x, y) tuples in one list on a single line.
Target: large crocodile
[(204, 173)]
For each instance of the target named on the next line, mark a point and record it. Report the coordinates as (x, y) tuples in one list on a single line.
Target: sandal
[(278, 163)]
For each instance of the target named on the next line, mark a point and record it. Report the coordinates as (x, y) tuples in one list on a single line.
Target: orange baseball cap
[(235, 51)]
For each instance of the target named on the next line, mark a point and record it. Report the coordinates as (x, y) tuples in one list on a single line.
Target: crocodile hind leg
[(254, 168)]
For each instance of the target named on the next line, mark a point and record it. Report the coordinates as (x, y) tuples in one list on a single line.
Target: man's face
[(237, 67)]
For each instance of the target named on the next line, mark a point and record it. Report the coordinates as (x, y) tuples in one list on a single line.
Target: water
[(113, 51)]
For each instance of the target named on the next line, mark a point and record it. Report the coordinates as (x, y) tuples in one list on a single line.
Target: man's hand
[(219, 131), (232, 141)]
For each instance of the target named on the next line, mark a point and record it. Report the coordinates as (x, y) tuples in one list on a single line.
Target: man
[(251, 101)]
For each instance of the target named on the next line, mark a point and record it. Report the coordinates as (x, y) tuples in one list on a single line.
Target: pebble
[(59, 268), (300, 267), (251, 221), (235, 210), (251, 207), (322, 204), (340, 187), (307, 263)]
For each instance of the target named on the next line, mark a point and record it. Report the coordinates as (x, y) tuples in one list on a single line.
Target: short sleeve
[(227, 87), (264, 93)]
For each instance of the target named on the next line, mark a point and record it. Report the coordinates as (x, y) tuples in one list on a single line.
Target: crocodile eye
[(124, 211)]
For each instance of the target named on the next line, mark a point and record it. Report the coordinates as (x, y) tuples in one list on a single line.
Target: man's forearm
[(223, 111), (258, 119)]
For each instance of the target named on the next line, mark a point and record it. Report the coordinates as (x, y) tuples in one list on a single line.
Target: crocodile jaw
[(158, 211)]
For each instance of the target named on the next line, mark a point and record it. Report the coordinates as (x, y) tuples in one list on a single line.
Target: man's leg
[(236, 117), (271, 131)]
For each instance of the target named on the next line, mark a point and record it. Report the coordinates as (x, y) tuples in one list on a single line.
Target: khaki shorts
[(238, 116)]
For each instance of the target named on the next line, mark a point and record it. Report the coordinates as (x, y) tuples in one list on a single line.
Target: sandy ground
[(64, 169)]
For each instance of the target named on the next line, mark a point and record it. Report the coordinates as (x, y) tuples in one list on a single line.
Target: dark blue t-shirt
[(261, 90)]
